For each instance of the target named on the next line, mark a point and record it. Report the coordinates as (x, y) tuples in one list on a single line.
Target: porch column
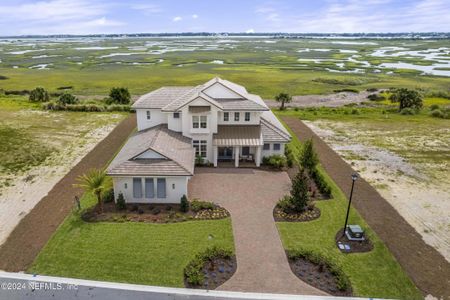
[(215, 152), (258, 156), (236, 156)]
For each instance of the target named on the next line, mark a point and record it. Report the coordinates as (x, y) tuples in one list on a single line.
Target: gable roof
[(272, 133), (161, 97), (176, 149)]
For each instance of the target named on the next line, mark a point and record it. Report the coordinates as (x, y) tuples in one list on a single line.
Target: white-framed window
[(200, 147), (247, 116), (276, 147), (200, 122), (176, 115), (226, 116), (266, 147), (236, 116), (137, 188), (161, 187), (149, 116), (149, 188)]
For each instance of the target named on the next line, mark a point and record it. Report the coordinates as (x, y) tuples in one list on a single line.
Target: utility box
[(354, 233)]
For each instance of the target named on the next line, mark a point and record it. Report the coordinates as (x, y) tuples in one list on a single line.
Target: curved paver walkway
[(250, 196)]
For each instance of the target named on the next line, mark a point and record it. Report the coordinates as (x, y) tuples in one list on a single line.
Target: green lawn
[(141, 253), (373, 274)]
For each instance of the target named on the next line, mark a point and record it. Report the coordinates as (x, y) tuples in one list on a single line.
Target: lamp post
[(354, 177)]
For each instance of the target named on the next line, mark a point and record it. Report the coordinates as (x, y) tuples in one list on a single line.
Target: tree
[(39, 94), (119, 95), (184, 204), (67, 98), (308, 158), (283, 98), (93, 182), (407, 99), (299, 192)]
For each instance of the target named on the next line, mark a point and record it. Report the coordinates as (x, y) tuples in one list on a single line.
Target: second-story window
[(203, 121), (195, 122), (247, 117), (236, 116), (199, 122), (226, 116), (148, 115)]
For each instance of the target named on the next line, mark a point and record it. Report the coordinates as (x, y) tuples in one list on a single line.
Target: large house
[(216, 122)]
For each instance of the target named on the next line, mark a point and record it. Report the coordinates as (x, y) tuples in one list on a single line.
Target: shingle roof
[(175, 147), (271, 133), (161, 97), (238, 135), (240, 104)]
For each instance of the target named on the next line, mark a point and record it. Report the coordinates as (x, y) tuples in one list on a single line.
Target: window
[(203, 120), (199, 121), (276, 147), (236, 116), (176, 115), (125, 185), (247, 116), (149, 188), (266, 147), (148, 115), (200, 148), (226, 116), (161, 187), (137, 188), (245, 151)]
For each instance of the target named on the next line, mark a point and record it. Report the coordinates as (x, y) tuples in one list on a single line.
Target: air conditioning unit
[(354, 233)]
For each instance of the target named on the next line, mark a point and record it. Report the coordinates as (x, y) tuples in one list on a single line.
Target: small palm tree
[(283, 98), (93, 182)]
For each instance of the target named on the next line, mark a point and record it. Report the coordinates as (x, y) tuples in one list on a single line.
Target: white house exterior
[(218, 121)]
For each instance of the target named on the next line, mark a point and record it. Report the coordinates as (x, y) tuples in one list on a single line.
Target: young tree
[(299, 192), (283, 98), (67, 98), (93, 182), (308, 158), (184, 204), (407, 99), (39, 94), (120, 95)]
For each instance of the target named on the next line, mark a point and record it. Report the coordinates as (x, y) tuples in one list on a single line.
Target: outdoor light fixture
[(354, 177)]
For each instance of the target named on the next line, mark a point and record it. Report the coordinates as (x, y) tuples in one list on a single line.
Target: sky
[(27, 17)]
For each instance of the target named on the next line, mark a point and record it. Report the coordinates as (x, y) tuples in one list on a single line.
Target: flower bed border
[(306, 216)]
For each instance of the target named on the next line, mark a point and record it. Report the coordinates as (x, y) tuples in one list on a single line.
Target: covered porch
[(238, 145)]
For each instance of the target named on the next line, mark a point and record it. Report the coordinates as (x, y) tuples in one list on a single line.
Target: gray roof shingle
[(161, 97)]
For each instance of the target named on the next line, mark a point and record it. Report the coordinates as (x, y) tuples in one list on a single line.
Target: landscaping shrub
[(197, 205), (184, 204), (308, 159), (108, 196), (120, 202), (408, 111), (67, 98), (321, 184), (193, 271), (290, 156), (298, 200), (156, 211), (343, 282), (39, 94), (275, 161), (118, 107), (119, 95)]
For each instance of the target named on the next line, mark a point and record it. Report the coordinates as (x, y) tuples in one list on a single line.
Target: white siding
[(175, 124), (270, 152), (254, 118), (173, 195), (156, 117)]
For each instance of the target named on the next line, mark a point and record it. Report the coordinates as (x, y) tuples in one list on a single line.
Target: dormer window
[(148, 115), (236, 116), (247, 117)]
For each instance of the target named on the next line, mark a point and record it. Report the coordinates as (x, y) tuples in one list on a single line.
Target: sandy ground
[(423, 201), (28, 189), (331, 100)]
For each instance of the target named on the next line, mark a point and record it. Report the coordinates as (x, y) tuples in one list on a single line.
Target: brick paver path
[(250, 196), (425, 265)]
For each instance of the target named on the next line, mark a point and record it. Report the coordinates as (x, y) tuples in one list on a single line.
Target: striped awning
[(237, 135)]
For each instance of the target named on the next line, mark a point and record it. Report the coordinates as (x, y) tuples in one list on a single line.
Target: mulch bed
[(319, 276), (355, 246), (152, 213), (425, 265), (36, 228), (216, 272), (308, 215)]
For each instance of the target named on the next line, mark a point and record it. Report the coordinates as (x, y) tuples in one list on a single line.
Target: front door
[(225, 153)]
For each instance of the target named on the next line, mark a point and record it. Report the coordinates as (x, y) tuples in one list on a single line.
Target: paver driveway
[(250, 196)]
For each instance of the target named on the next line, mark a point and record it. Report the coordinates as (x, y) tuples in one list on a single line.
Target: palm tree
[(93, 182), (283, 98)]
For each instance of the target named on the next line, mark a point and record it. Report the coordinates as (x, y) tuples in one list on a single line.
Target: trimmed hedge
[(197, 205), (275, 161), (320, 181)]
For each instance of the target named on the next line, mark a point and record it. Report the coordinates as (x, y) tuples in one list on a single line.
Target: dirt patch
[(152, 213), (355, 246), (318, 275), (429, 270), (308, 215), (216, 272), (34, 230)]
